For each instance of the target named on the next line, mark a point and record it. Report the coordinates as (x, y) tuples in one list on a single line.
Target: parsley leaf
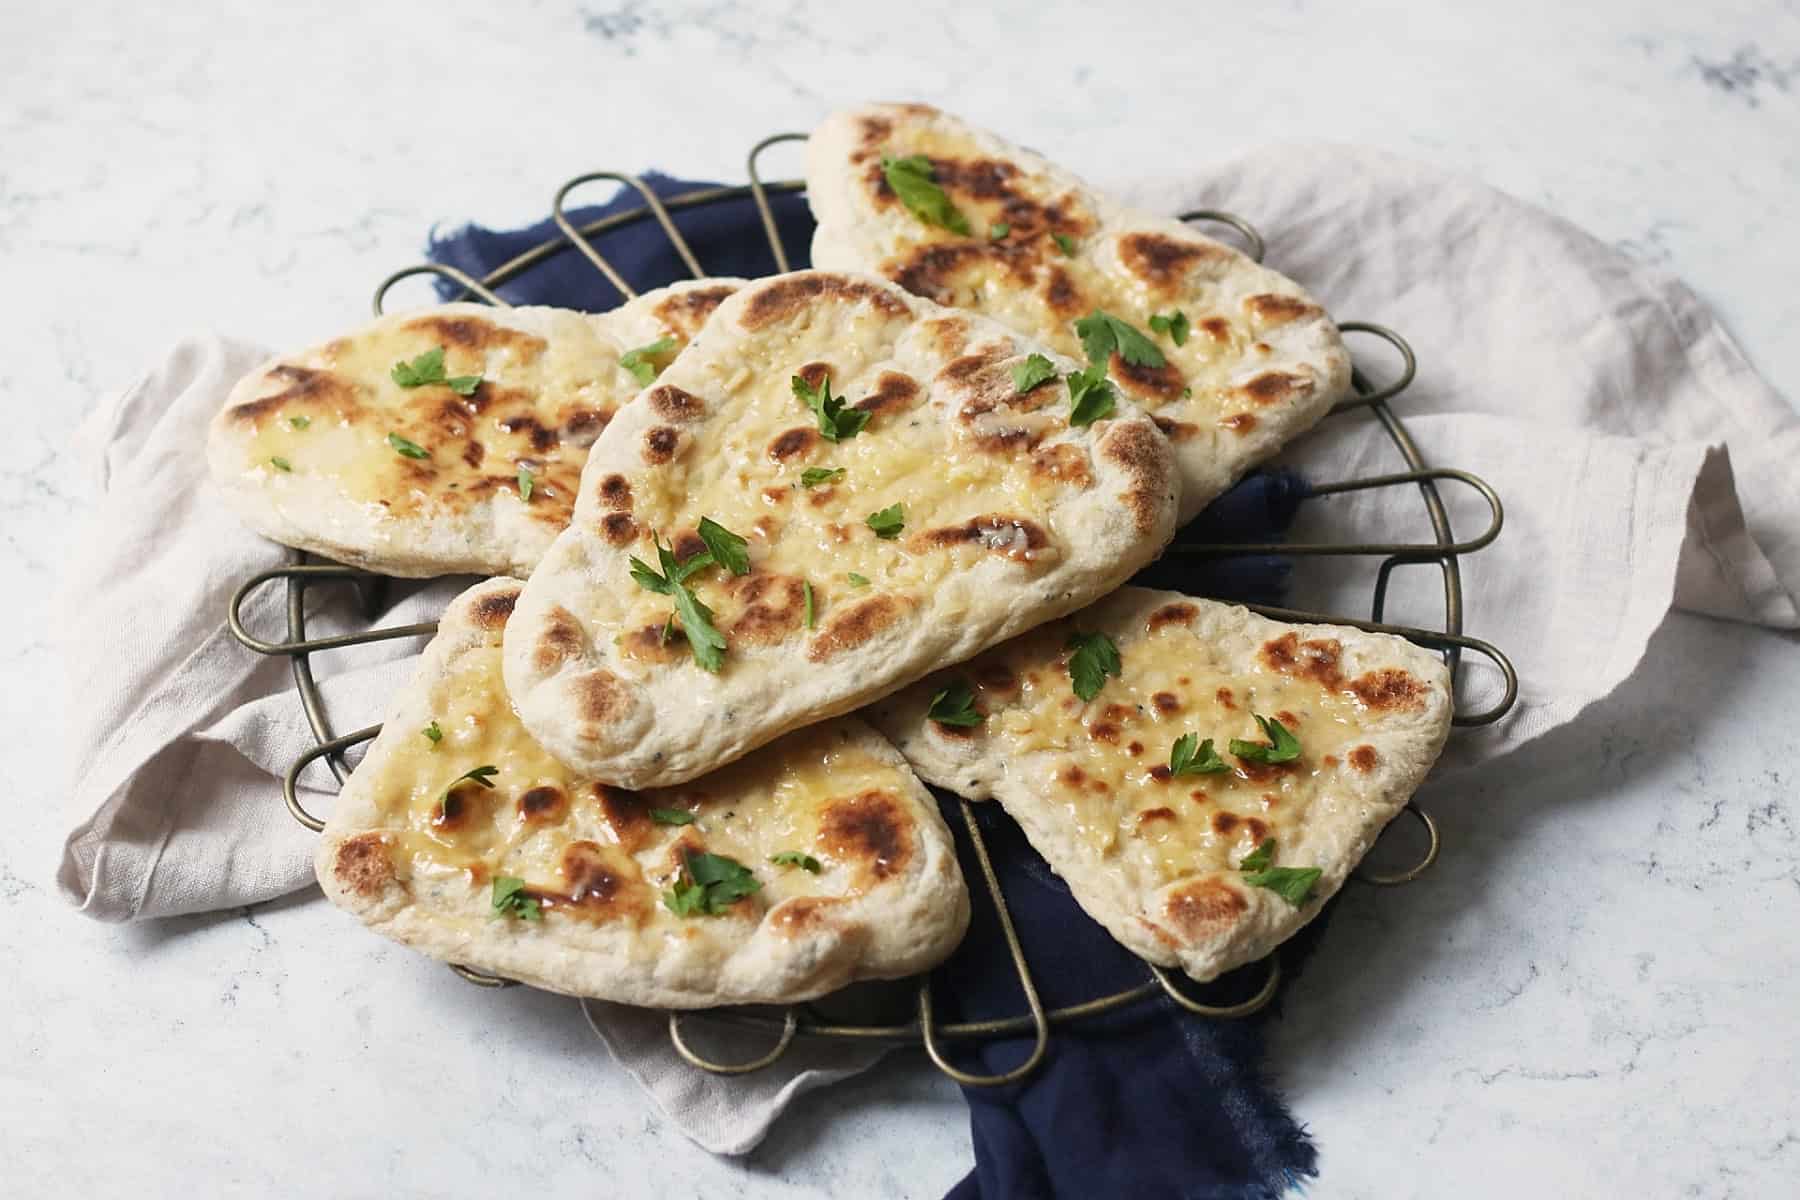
[(638, 363), (1283, 746), (793, 858), (1094, 659), (813, 476), (1293, 884), (728, 549), (912, 180), (1034, 370), (429, 368), (281, 464), (512, 900), (1185, 758), (1102, 333), (835, 421), (806, 591), (1259, 858), (1091, 397), (1065, 243), (432, 733), (887, 523), (1175, 324), (857, 580), (299, 422), (481, 775), (406, 448), (524, 485), (955, 705), (704, 638), (709, 883), (998, 230), (671, 816)]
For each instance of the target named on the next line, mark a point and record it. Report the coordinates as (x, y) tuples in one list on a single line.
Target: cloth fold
[(1642, 462)]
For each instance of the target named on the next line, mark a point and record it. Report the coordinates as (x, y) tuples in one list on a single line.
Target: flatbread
[(1011, 516), (417, 859), (1154, 856), (301, 451), (1262, 361)]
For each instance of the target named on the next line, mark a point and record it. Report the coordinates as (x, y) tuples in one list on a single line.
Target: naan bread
[(301, 448), (416, 857), (1011, 516), (1262, 362), (1154, 856)]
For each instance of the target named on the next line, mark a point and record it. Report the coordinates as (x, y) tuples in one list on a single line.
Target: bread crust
[(1152, 856), (1263, 361)]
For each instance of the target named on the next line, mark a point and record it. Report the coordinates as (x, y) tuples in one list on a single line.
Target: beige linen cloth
[(1643, 463)]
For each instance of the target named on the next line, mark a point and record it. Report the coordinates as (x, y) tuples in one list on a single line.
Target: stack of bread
[(771, 556)]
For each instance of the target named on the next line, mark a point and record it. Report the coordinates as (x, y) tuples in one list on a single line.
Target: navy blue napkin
[(1146, 1102)]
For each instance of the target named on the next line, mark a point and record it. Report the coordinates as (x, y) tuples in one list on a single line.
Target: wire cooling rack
[(1256, 984)]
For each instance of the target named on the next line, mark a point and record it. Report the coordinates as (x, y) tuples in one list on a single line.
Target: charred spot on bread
[(675, 405), (660, 443), (859, 624), (492, 610), (615, 492), (790, 296), (477, 334), (362, 865), (870, 831), (1144, 457), (559, 640), (543, 805), (1204, 910)]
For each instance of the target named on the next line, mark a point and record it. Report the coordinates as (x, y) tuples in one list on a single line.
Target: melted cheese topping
[(1028, 282), (540, 405), (1109, 758), (532, 823), (962, 501)]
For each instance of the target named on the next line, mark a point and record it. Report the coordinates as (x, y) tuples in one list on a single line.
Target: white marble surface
[(1596, 992)]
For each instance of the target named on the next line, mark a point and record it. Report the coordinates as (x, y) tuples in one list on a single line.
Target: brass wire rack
[(846, 1016)]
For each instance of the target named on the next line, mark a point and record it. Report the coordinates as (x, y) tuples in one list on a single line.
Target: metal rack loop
[(1224, 1012), (761, 195), (656, 209), (290, 783), (1256, 246), (462, 279), (1400, 551), (299, 574), (1409, 366), (790, 1022), (1397, 878)]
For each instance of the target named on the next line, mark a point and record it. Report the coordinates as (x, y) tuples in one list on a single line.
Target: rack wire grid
[(817, 1019)]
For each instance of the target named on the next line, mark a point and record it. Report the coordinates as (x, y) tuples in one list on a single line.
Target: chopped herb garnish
[(1283, 746), (806, 592), (1190, 756), (1259, 858), (1186, 392), (525, 485), (1174, 323), (813, 476), (793, 858), (728, 549), (1293, 884), (955, 705), (1091, 397), (998, 230), (1102, 333), (857, 580), (1065, 243), (835, 421), (913, 181), (512, 900), (1094, 659), (429, 368), (709, 884), (638, 363), (299, 422), (281, 464), (481, 775), (1034, 370), (406, 448), (704, 638), (671, 816), (432, 733), (887, 523)]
